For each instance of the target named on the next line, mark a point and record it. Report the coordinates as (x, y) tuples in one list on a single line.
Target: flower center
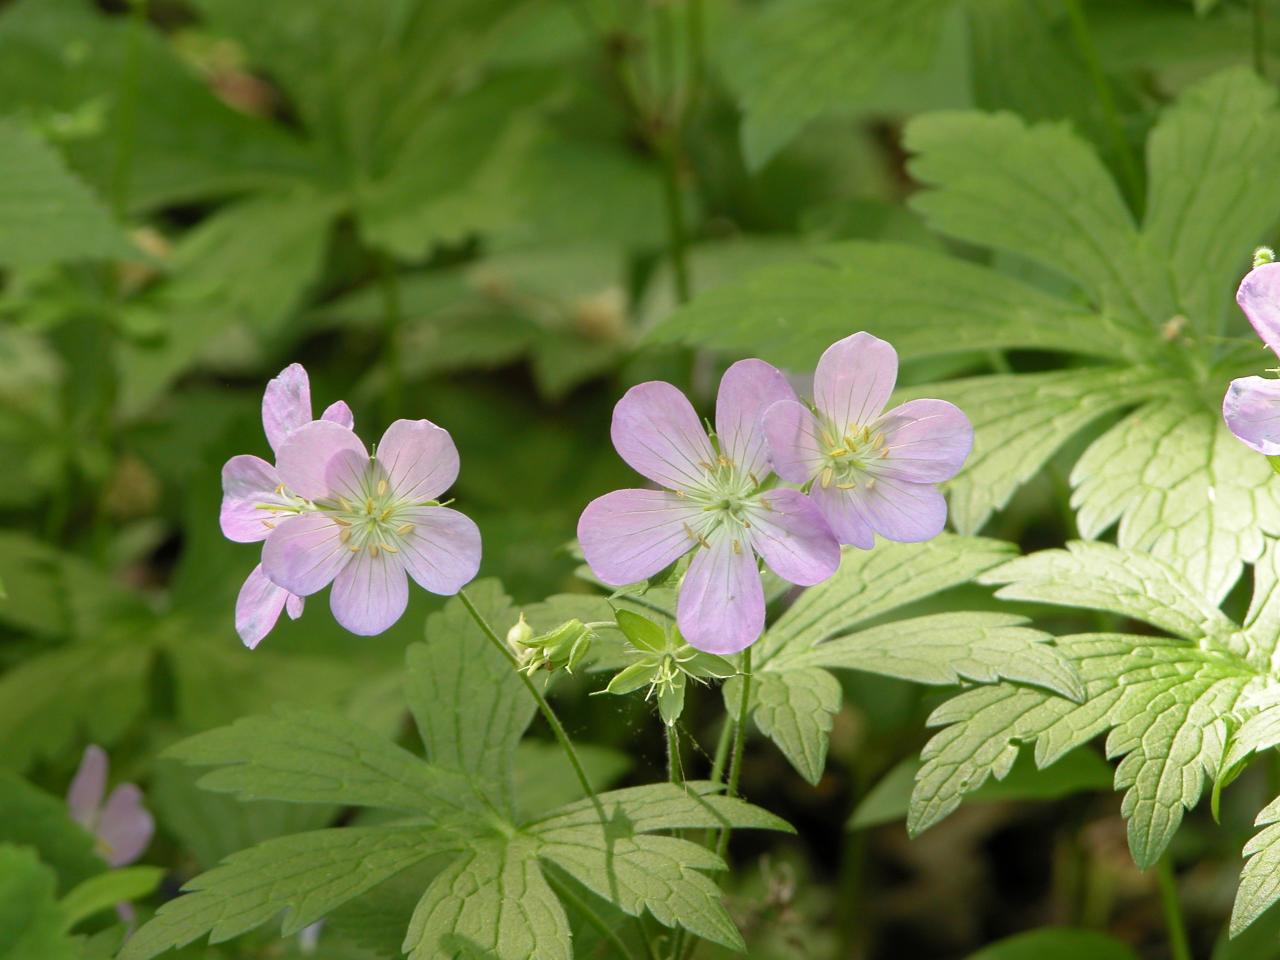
[(726, 496), (846, 458), (378, 522)]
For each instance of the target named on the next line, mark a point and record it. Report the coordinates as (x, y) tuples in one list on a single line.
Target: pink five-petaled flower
[(122, 827), (713, 504), (871, 472), (1252, 404), (372, 520), (254, 498)]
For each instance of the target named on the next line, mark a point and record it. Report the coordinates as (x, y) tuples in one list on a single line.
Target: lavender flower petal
[(304, 553), (721, 605), (84, 796), (1259, 298), (338, 412), (854, 379), (442, 551), (927, 441), (286, 405), (126, 826), (419, 458), (323, 459), (902, 511), (792, 434), (747, 390), (293, 605), (658, 434), (247, 481), (370, 594), (793, 538), (1252, 411), (258, 607), (844, 515), (629, 535)]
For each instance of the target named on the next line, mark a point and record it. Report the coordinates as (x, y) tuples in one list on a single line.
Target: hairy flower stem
[(565, 893), (548, 714), (1176, 929), (739, 744), (1089, 53)]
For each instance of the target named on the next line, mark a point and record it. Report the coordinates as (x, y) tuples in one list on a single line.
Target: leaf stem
[(389, 283), (674, 770), (722, 752), (677, 237), (1174, 925), (543, 706), (1089, 53), (1259, 39), (565, 892), (739, 744)]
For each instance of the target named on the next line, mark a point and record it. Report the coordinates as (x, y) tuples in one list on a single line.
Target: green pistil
[(848, 457)]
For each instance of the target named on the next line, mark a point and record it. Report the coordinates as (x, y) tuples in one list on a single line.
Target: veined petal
[(247, 482), (442, 551), (323, 459), (370, 594), (656, 431), (126, 826), (788, 530), (338, 412), (843, 516), (900, 510), (629, 535), (1252, 411), (304, 553), (286, 405), (721, 606), (854, 379), (792, 434), (927, 441), (747, 390), (258, 607), (419, 459), (84, 796), (293, 605), (1259, 298)]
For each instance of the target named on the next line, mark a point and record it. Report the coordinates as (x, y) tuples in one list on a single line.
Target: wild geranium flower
[(714, 503), (254, 498), (869, 472), (122, 827), (1251, 407), (363, 521)]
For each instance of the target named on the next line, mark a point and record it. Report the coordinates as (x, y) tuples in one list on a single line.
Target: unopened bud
[(565, 646), (518, 636), (1263, 255)]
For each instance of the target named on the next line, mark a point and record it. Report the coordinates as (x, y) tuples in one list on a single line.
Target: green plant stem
[(722, 752), (677, 237), (674, 769), (545, 708), (696, 30), (565, 892), (1259, 39), (389, 283), (739, 744), (1175, 927), (1089, 53)]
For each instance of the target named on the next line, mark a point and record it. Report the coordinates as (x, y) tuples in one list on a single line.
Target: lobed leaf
[(1260, 878)]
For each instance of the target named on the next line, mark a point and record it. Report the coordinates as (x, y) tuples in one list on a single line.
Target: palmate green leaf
[(33, 818), (47, 214), (799, 59), (31, 922), (108, 889), (1260, 878), (1179, 711), (794, 697)]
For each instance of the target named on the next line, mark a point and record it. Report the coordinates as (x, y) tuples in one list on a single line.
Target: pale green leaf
[(303, 756), (1260, 878), (31, 922), (661, 806), (469, 703), (1182, 488), (107, 889), (926, 303), (46, 214), (544, 779), (492, 902), (1019, 422), (795, 708), (1262, 622), (949, 648), (1099, 576), (304, 876), (797, 60)]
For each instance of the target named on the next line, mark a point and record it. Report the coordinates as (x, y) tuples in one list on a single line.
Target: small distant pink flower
[(870, 472), (254, 498), (713, 504), (122, 827), (371, 520), (1251, 407)]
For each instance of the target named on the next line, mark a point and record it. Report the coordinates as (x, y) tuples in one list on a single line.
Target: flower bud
[(565, 646), (518, 636), (1263, 255)]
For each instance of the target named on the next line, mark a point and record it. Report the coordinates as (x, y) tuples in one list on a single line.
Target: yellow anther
[(344, 534), (389, 548), (865, 433), (342, 523), (368, 505), (268, 524), (382, 487), (878, 442), (386, 514), (871, 482), (838, 452), (405, 529), (373, 549), (280, 489), (680, 494), (737, 547), (884, 453), (827, 476), (355, 549), (345, 504), (746, 524), (846, 486)]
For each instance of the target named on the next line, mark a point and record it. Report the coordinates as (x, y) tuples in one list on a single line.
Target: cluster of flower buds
[(565, 646)]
